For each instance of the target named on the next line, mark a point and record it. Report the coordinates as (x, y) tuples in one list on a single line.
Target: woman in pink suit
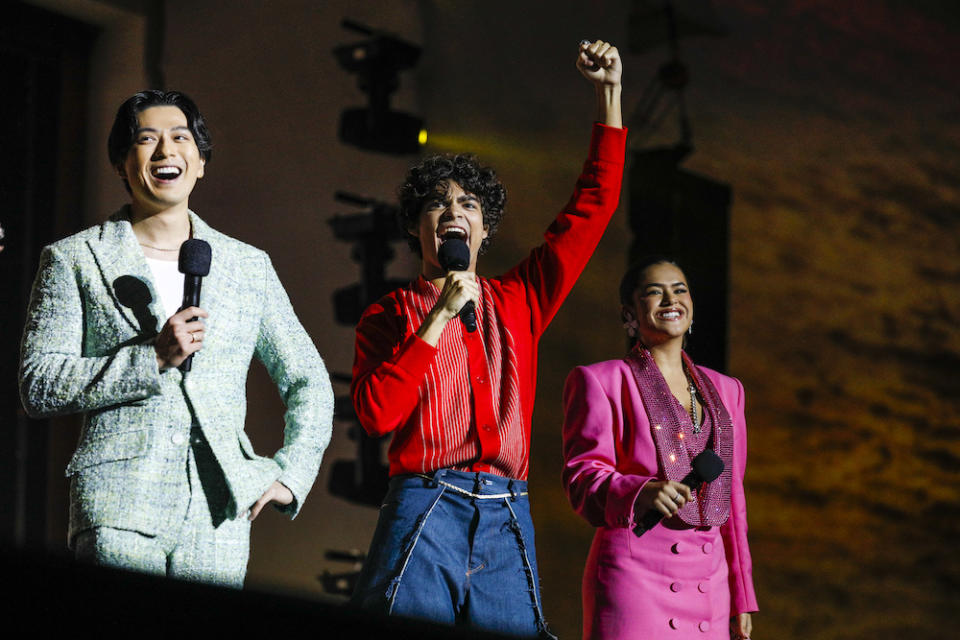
[(631, 429)]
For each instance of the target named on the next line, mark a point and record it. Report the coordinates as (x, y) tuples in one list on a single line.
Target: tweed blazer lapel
[(126, 275)]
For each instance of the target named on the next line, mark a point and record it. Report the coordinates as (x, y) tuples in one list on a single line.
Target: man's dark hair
[(124, 130), (424, 178)]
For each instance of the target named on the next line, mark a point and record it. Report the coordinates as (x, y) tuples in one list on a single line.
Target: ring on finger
[(193, 337)]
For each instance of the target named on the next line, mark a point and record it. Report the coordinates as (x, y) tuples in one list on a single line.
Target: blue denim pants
[(457, 548)]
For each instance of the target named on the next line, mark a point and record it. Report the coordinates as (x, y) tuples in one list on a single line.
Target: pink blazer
[(609, 456)]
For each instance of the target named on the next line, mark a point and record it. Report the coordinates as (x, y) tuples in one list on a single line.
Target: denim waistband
[(475, 484)]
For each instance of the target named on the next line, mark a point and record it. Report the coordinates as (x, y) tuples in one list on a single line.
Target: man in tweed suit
[(164, 479)]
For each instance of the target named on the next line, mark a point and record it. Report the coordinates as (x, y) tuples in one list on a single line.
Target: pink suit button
[(676, 586), (703, 587), (707, 547), (704, 626), (674, 623), (676, 548)]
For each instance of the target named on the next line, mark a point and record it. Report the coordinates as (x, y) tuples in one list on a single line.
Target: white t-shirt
[(168, 283)]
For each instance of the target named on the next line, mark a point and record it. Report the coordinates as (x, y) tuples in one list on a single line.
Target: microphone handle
[(191, 291), (468, 316), (191, 298)]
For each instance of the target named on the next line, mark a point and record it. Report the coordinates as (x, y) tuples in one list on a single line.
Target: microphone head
[(454, 255), (194, 257), (708, 465)]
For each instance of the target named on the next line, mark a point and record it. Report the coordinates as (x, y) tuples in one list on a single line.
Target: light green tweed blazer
[(88, 348)]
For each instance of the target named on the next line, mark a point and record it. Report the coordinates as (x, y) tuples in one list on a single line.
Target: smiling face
[(450, 213), (164, 163), (662, 306)]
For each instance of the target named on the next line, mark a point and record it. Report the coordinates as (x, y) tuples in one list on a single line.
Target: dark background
[(836, 125)]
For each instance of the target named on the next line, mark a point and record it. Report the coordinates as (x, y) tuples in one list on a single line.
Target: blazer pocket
[(109, 448)]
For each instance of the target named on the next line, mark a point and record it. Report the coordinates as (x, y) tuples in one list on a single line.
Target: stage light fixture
[(387, 132), (377, 62)]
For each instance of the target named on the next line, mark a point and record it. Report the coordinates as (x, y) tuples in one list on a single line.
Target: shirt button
[(707, 547), (704, 626), (675, 548), (487, 427), (675, 587), (177, 438)]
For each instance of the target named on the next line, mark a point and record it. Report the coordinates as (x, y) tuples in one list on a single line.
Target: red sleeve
[(387, 369), (550, 271)]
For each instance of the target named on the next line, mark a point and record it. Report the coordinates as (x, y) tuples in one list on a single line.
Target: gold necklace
[(694, 412), (150, 246)]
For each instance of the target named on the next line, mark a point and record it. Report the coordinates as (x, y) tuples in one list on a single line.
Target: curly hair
[(423, 179)]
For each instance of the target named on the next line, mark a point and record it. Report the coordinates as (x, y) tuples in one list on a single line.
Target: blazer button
[(674, 623), (178, 438), (703, 587), (707, 547), (675, 587), (704, 626), (676, 548)]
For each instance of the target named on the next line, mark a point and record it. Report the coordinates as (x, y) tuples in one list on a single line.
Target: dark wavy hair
[(631, 279), (126, 123), (422, 181)]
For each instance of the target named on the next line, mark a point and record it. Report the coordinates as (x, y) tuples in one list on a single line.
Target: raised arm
[(548, 274), (599, 62)]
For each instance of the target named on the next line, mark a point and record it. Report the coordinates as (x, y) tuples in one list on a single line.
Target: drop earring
[(630, 325)]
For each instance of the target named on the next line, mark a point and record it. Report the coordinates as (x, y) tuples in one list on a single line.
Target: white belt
[(477, 496)]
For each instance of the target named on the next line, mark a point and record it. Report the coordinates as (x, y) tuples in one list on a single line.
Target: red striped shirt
[(467, 403)]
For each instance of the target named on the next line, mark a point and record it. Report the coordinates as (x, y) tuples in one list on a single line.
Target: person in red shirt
[(454, 541)]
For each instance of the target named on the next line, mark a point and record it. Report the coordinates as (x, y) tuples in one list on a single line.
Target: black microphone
[(707, 467), (194, 263), (454, 255)]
